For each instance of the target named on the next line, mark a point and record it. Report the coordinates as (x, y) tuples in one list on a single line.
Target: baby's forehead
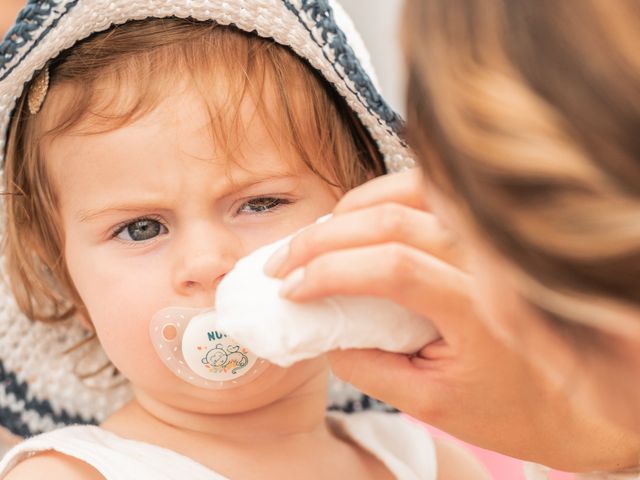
[(251, 92), (112, 101), (144, 151), (232, 104), (239, 136)]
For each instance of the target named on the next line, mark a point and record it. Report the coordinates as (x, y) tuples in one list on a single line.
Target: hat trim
[(318, 12), (15, 420), (321, 15), (30, 19), (364, 402)]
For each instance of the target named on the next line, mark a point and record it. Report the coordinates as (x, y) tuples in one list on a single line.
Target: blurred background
[(8, 12), (377, 22)]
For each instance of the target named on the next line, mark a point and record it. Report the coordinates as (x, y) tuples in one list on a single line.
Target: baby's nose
[(204, 272), (202, 264)]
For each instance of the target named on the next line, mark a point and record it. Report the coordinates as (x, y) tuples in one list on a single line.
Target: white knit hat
[(40, 387)]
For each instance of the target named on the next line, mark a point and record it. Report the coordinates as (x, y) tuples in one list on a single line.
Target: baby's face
[(153, 218)]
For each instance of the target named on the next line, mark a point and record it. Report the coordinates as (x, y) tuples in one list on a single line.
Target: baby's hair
[(115, 77), (526, 114)]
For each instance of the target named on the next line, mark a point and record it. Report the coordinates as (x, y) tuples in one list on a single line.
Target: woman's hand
[(383, 241)]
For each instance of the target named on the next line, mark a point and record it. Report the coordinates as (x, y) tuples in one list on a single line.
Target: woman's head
[(166, 150), (525, 116)]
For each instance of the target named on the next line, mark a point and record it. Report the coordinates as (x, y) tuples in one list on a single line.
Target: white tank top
[(403, 446)]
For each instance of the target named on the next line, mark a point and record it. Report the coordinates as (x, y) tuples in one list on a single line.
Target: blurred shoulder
[(455, 462), (53, 466)]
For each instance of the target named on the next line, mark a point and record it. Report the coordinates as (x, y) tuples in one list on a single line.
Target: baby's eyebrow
[(240, 183), (84, 216), (249, 179)]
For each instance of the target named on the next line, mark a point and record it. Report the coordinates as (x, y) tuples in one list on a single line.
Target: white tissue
[(249, 308)]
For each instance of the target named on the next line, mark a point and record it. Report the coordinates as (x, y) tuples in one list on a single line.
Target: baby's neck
[(302, 412), (289, 435)]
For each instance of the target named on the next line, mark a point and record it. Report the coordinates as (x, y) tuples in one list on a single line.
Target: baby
[(141, 164)]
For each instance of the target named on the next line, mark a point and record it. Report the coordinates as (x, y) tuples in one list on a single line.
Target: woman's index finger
[(407, 188)]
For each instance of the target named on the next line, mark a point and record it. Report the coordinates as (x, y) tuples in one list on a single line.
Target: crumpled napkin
[(249, 309)]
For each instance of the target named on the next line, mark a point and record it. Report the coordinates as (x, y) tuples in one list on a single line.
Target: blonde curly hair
[(527, 116)]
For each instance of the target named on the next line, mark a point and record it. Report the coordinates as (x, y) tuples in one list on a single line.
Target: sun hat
[(49, 377)]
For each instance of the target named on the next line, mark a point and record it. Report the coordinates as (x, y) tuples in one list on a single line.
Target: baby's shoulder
[(53, 465), (456, 462)]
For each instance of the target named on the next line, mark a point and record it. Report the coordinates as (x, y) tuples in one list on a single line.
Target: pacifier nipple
[(189, 345)]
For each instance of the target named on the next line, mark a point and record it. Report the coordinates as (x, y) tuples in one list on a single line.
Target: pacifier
[(188, 343)]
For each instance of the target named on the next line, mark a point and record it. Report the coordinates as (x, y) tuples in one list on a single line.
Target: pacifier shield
[(190, 346)]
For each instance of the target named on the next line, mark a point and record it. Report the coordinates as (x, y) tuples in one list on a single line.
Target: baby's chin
[(309, 378)]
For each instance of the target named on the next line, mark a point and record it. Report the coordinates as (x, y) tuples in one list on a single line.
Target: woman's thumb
[(390, 377)]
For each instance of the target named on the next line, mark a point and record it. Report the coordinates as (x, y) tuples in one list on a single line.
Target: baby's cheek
[(123, 332), (121, 310)]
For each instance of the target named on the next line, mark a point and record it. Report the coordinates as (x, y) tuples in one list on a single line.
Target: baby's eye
[(262, 204), (140, 230)]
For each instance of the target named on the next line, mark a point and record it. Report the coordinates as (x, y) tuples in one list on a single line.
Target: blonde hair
[(527, 115), (122, 74)]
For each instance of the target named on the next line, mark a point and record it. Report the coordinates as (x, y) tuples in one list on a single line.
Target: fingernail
[(275, 262), (292, 282)]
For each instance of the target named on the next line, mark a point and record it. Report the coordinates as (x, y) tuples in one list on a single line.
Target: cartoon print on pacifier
[(189, 345), (232, 359)]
